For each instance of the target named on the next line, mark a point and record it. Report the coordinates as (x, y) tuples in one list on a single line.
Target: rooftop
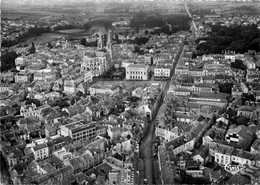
[(137, 66)]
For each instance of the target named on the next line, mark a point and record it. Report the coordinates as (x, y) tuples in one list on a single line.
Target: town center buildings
[(137, 72)]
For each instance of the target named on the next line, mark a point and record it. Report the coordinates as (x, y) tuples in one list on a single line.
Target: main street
[(193, 23), (147, 146), (4, 175)]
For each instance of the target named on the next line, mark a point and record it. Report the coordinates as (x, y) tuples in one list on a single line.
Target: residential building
[(40, 149), (245, 111), (23, 77), (33, 111), (229, 55), (88, 76), (180, 92), (240, 135), (148, 59), (180, 144), (208, 98), (62, 154), (162, 72), (124, 176), (165, 133), (197, 87), (128, 176), (255, 147), (47, 75), (78, 131), (196, 72), (78, 163), (71, 83), (19, 61), (216, 69), (113, 176), (4, 87), (237, 90), (224, 154), (104, 89), (250, 63), (56, 142), (7, 76)]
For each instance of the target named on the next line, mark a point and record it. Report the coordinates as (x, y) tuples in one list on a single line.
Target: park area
[(43, 38), (71, 31)]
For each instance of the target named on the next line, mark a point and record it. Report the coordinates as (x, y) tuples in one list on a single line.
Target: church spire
[(109, 41), (100, 40)]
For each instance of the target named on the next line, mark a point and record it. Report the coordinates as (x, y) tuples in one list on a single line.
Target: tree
[(241, 120), (34, 101), (107, 25), (238, 64), (8, 61), (63, 104), (236, 38), (32, 49), (137, 29), (141, 40), (116, 38), (146, 32), (79, 94), (225, 88), (87, 26), (83, 41), (49, 45)]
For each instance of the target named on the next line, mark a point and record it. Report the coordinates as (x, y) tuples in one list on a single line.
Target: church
[(99, 60)]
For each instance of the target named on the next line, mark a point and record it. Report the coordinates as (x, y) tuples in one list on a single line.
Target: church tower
[(109, 41), (100, 41)]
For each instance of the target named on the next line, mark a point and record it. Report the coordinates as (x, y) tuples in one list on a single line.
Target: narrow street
[(146, 148), (4, 178)]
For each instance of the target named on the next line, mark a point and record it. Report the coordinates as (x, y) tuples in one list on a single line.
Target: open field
[(44, 38), (70, 31), (27, 15)]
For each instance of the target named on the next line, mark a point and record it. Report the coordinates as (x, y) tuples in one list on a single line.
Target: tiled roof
[(66, 169), (40, 146), (176, 142), (244, 132), (238, 180), (137, 66), (246, 108), (256, 145)]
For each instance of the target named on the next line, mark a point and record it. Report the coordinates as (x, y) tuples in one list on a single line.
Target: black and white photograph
[(130, 92)]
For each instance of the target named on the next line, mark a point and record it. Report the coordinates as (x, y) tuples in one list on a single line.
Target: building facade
[(23, 77), (137, 72), (88, 76), (96, 62), (78, 131), (162, 72)]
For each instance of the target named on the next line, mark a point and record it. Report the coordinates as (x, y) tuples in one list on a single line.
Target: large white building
[(40, 149), (229, 55), (137, 72), (161, 71), (78, 131)]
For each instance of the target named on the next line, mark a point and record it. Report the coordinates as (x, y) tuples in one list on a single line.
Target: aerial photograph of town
[(130, 92)]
